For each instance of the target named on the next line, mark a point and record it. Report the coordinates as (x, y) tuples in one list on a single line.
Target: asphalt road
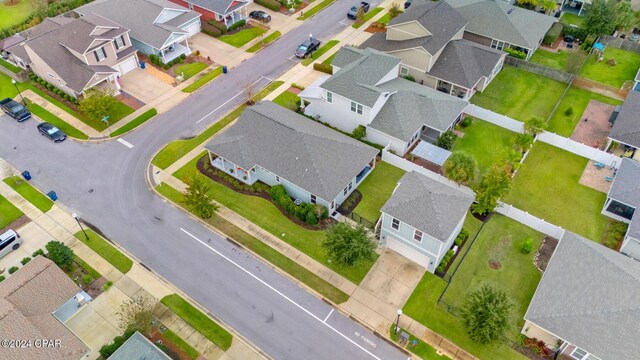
[(105, 184)]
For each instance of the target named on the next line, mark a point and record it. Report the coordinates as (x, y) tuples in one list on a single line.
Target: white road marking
[(125, 143), (293, 58), (226, 102), (325, 319), (343, 20), (281, 294)]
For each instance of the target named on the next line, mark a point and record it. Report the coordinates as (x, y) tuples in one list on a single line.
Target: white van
[(9, 241)]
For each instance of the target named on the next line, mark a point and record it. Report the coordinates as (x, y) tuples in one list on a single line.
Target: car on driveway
[(260, 16), (53, 133), (307, 48), (353, 12)]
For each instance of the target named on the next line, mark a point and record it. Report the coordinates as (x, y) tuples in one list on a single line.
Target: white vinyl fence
[(530, 220), (495, 118)]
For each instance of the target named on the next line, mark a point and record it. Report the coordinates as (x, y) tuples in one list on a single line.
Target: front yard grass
[(7, 90), (181, 344), (288, 100), (14, 14), (547, 187), (45, 115), (266, 41), (316, 54), (199, 321), (422, 349), (627, 64), (328, 60), (578, 99), (188, 70), (22, 187), (376, 189), (556, 60), (368, 16), (520, 94), (242, 37), (10, 66), (8, 212), (203, 80), (317, 8), (105, 250), (141, 119)]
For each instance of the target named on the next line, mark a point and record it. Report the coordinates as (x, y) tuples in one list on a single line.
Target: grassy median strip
[(179, 148), (181, 344), (315, 9), (323, 49), (135, 122), (199, 321), (366, 17), (203, 80), (265, 251), (264, 42), (106, 250), (22, 187), (45, 115)]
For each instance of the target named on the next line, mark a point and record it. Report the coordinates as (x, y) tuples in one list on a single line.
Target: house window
[(329, 97), (395, 224), (417, 236), (345, 191), (119, 42), (356, 108), (497, 44), (101, 54), (277, 178), (313, 199), (332, 204), (404, 71), (253, 169), (350, 186), (578, 354)]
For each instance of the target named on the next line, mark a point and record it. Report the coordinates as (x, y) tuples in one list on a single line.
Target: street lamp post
[(75, 216), (397, 328), (13, 81)]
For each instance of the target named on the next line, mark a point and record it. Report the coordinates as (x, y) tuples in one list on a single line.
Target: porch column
[(164, 59), (608, 145), (186, 41), (222, 160)]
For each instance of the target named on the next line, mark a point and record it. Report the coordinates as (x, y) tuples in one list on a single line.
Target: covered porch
[(174, 50), (454, 90), (246, 176), (429, 135), (108, 84), (365, 171), (237, 11), (618, 210)]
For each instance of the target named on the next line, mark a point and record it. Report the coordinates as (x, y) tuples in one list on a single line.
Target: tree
[(495, 184), (96, 104), (534, 126), (625, 16), (486, 314), (601, 17), (548, 5), (196, 197), (460, 168), (359, 132), (360, 15), (60, 254), (394, 10), (446, 140), (523, 142), (348, 245), (136, 314)]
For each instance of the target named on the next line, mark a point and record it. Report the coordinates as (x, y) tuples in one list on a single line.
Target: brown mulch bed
[(545, 251), (375, 29), (156, 336), (66, 102), (285, 10), (294, 90), (16, 224), (346, 208), (94, 288)]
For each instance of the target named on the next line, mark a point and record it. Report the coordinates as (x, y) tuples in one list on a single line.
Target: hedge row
[(516, 53), (220, 26), (445, 261), (269, 4), (156, 60), (325, 68), (304, 212), (109, 349), (552, 34), (236, 25), (464, 235), (210, 30), (52, 88)]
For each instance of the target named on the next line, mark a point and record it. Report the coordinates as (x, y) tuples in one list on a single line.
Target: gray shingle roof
[(357, 80), (626, 129), (626, 188), (414, 105), (138, 347), (346, 55), (433, 207), (501, 20), (217, 6), (77, 34), (588, 296), (306, 153)]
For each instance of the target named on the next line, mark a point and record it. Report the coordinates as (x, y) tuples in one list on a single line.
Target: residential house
[(423, 217), (138, 347), (623, 201), (586, 303), (428, 38), (272, 144), (365, 90), (501, 25), (158, 27), (87, 52), (228, 12), (626, 126), (35, 302)]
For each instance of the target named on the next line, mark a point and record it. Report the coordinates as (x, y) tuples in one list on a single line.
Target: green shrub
[(578, 33), (25, 260), (553, 33), (87, 279), (446, 259), (410, 78), (60, 254), (516, 53), (236, 25), (2, 278), (466, 122), (218, 25), (37, 252), (569, 111), (526, 245), (304, 212), (464, 235), (359, 132), (211, 31), (325, 68), (166, 66), (446, 140), (183, 56), (13, 269), (269, 4), (106, 286), (109, 349)]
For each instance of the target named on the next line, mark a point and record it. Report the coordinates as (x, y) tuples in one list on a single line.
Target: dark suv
[(306, 48), (260, 16)]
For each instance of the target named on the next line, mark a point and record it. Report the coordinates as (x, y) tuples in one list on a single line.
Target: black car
[(306, 48), (260, 16), (407, 4), (53, 133)]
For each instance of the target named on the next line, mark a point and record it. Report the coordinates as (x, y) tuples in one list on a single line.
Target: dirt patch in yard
[(599, 88), (495, 264), (594, 125), (350, 203), (544, 253)]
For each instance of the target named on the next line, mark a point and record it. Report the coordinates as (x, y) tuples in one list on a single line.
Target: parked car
[(260, 16), (353, 12), (9, 241), (15, 109), (53, 133), (407, 4), (307, 48)]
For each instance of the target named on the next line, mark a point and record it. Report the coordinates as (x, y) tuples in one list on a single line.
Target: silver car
[(9, 241)]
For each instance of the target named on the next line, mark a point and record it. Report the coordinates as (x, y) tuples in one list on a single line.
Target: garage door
[(126, 66), (193, 28), (407, 252)]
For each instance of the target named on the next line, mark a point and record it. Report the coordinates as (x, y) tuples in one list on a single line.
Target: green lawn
[(553, 60), (7, 90), (473, 226), (242, 37), (105, 250), (547, 187), (627, 64), (568, 19), (265, 251), (385, 18), (188, 70), (179, 148), (141, 119), (486, 143), (45, 115), (578, 99), (203, 80), (8, 212), (22, 187), (376, 189), (10, 66), (368, 16), (11, 15), (199, 321), (520, 94), (266, 215), (422, 349), (266, 41), (287, 99), (316, 54), (317, 8), (90, 270), (181, 344)]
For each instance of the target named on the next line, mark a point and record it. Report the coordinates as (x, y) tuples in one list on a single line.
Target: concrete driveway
[(33, 238), (144, 86)]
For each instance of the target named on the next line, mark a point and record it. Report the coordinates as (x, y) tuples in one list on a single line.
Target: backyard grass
[(35, 197), (547, 187), (14, 14), (242, 37), (422, 349), (105, 250), (486, 143), (199, 321), (578, 99), (141, 119), (551, 59), (376, 189), (188, 70), (627, 64), (288, 100), (317, 8), (266, 41), (473, 226), (316, 54), (181, 344), (203, 80), (179, 148), (368, 16), (265, 251), (8, 212), (572, 19), (520, 94), (45, 115), (10, 66)]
